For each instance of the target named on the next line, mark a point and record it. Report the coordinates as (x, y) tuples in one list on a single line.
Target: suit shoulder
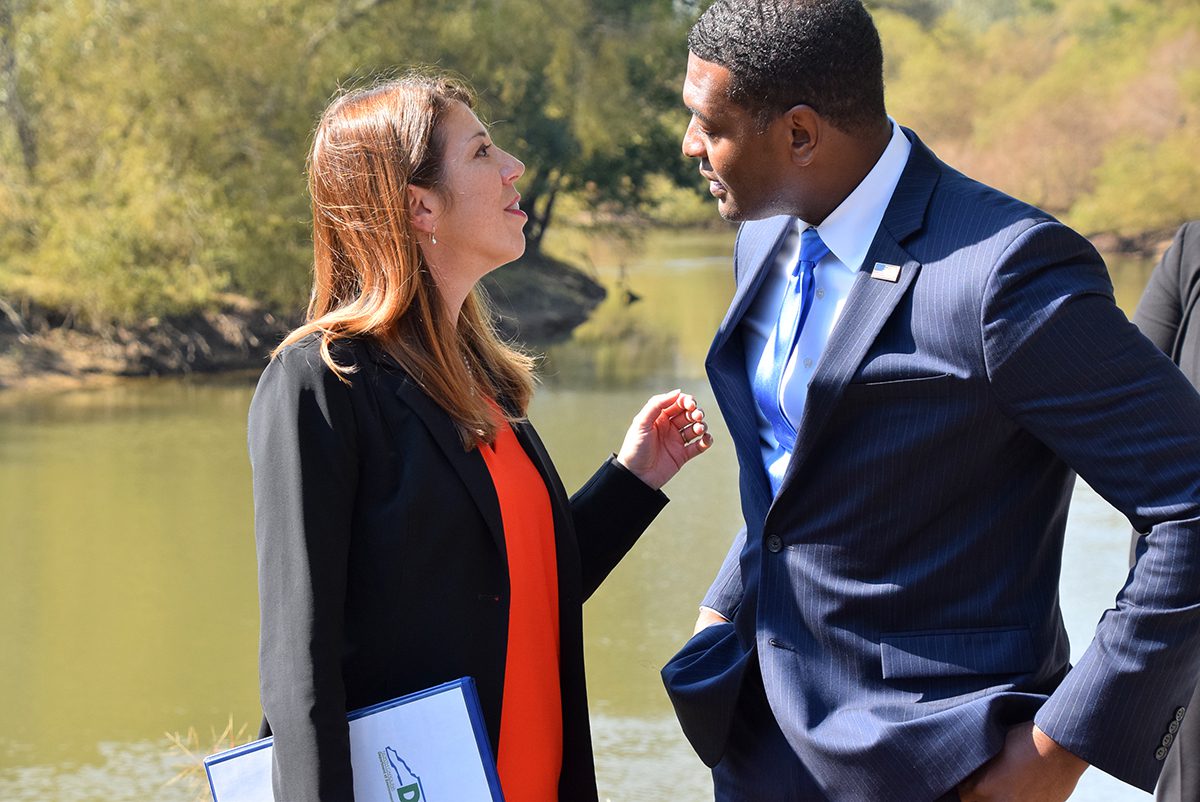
[(982, 225), (969, 200)]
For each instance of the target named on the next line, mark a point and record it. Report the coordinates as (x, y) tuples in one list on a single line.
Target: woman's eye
[(483, 151)]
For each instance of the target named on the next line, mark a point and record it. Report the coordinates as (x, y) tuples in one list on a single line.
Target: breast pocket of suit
[(957, 653), (940, 385)]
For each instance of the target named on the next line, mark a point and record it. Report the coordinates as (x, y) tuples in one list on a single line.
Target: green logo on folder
[(400, 778)]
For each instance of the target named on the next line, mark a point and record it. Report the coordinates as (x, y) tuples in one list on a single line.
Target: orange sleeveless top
[(530, 752)]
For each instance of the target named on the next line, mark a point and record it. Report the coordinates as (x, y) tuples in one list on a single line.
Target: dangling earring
[(433, 237)]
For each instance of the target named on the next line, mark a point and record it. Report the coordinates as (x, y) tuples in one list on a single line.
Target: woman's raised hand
[(668, 432)]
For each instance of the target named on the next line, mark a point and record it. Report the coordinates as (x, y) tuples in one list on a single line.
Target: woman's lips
[(515, 209)]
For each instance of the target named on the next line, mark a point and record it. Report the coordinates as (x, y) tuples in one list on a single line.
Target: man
[(1165, 316), (912, 369)]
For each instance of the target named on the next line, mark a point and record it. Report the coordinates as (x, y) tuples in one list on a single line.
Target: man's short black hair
[(823, 53)]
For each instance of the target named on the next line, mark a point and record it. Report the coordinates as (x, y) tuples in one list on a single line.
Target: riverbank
[(539, 300)]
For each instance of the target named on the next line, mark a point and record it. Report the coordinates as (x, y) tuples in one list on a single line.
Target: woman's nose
[(515, 170)]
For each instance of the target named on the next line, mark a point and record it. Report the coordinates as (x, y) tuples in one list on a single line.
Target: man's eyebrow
[(700, 116)]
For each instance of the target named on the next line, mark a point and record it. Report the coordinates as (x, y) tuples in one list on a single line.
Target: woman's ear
[(424, 208)]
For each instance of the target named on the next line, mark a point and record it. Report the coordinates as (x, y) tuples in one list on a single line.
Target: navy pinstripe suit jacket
[(900, 594)]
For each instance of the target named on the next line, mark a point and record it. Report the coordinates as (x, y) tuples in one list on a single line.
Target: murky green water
[(127, 589)]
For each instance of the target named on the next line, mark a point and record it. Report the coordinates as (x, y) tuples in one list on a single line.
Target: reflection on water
[(683, 281), (127, 593), (119, 771)]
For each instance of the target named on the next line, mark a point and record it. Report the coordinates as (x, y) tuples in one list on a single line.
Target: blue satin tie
[(797, 300)]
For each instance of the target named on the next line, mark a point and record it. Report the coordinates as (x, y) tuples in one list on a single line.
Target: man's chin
[(733, 212), (729, 210)]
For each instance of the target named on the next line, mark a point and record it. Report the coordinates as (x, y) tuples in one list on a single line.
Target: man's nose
[(693, 145)]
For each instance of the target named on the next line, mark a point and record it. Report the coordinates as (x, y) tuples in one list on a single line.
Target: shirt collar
[(849, 230)]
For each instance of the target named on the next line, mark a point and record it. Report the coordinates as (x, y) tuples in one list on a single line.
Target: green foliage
[(171, 135), (1089, 108), (1143, 185), (152, 151)]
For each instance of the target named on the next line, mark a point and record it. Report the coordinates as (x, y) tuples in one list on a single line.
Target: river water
[(127, 587)]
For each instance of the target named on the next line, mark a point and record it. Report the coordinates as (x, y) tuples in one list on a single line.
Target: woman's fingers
[(686, 417), (667, 432), (698, 446), (691, 431), (656, 405), (679, 413), (682, 420)]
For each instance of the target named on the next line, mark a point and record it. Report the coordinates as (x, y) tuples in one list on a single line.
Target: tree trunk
[(12, 96), (539, 205), (534, 239)]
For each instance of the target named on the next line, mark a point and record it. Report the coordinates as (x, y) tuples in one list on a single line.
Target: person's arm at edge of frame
[(1159, 313)]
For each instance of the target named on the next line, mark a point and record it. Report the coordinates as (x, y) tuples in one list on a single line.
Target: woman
[(410, 527)]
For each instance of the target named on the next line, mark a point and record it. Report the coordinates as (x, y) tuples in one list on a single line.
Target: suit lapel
[(536, 451), (868, 307), (870, 303), (469, 465), (758, 245)]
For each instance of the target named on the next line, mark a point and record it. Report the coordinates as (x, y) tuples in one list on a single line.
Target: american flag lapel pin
[(886, 272)]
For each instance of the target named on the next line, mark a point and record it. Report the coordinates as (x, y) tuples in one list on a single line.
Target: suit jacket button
[(774, 544), (1168, 739), (1160, 753), (1173, 727), (1179, 714)]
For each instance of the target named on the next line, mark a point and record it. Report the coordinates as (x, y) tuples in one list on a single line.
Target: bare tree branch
[(12, 97), (15, 319)]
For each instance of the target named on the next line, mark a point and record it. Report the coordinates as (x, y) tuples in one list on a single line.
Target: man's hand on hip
[(1030, 768)]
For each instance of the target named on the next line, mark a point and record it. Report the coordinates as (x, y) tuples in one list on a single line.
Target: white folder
[(430, 746)]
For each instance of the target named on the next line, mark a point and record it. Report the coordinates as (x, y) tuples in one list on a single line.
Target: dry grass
[(192, 750)]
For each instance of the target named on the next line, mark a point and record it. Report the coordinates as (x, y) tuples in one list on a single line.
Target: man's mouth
[(714, 184)]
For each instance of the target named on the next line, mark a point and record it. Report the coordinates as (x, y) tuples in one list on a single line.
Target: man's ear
[(424, 208), (805, 126)]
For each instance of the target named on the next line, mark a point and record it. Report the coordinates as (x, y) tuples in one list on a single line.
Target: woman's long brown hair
[(370, 279)]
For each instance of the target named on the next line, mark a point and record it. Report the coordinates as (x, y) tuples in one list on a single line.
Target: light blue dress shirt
[(848, 232)]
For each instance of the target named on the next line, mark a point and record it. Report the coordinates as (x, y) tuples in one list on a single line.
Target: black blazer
[(382, 564)]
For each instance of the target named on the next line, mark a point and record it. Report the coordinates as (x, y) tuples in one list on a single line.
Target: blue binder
[(429, 746)]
